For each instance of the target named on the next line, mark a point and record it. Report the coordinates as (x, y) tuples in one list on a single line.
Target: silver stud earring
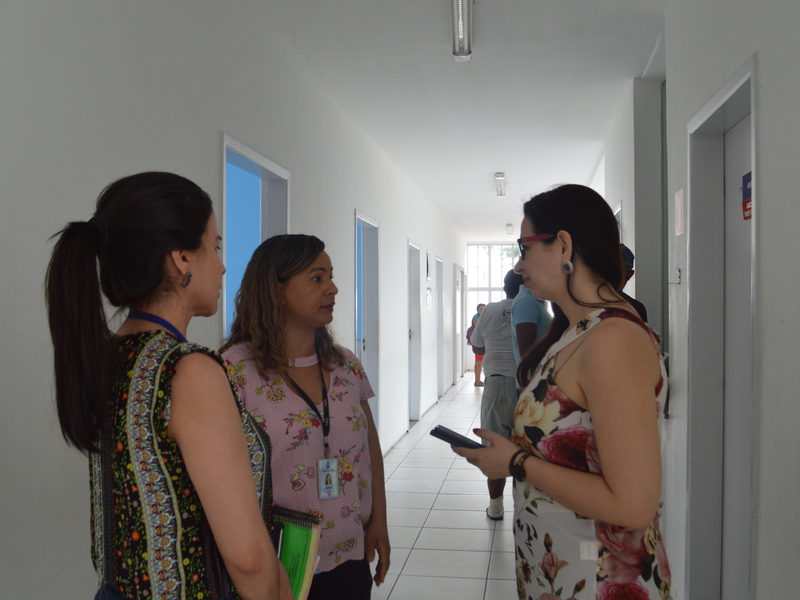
[(186, 279), (567, 267)]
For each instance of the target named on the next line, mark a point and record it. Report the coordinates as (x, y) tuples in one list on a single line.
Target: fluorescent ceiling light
[(500, 182), (461, 13)]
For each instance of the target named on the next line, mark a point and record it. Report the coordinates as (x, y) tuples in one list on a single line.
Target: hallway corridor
[(443, 545)]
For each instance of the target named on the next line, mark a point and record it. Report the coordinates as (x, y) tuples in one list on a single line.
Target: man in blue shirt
[(529, 321), (494, 338)]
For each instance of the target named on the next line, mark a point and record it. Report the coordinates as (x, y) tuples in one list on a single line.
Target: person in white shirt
[(493, 339)]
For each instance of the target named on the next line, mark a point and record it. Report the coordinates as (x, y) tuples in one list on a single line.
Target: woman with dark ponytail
[(179, 470), (585, 450)]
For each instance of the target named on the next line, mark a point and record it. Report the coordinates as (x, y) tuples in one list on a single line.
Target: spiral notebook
[(297, 542)]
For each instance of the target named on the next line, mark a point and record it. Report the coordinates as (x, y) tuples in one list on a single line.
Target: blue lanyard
[(146, 316)]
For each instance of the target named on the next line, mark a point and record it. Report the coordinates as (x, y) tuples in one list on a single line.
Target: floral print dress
[(559, 553), (295, 432)]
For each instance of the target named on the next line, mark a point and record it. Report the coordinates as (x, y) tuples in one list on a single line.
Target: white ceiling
[(535, 101)]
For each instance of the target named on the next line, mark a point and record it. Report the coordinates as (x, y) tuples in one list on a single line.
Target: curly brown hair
[(259, 310)]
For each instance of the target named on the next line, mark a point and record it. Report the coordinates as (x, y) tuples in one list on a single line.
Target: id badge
[(328, 470)]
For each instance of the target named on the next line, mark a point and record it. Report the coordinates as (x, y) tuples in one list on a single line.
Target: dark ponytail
[(121, 250), (581, 212), (81, 339)]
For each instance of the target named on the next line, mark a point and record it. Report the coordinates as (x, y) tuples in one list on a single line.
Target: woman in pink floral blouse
[(310, 396)]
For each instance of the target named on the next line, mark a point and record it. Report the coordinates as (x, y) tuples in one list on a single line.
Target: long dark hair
[(581, 212), (122, 251), (259, 310)]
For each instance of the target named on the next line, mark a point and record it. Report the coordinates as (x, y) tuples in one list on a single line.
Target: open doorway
[(255, 206)]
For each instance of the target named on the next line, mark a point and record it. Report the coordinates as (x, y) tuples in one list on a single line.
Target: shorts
[(479, 357), (498, 404)]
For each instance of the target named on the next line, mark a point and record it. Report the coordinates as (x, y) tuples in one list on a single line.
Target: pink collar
[(306, 361)]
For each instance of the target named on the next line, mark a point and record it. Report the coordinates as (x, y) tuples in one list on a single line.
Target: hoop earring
[(568, 267), (186, 279)]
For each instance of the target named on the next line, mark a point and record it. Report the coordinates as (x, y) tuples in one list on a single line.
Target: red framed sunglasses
[(532, 238)]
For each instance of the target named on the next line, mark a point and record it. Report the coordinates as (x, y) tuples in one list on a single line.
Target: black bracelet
[(517, 471)]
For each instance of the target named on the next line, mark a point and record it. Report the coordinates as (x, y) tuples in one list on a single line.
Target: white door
[(439, 328), (463, 323), (367, 318), (457, 320), (414, 339), (738, 378)]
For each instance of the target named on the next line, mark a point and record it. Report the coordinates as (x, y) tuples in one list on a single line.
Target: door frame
[(705, 230)]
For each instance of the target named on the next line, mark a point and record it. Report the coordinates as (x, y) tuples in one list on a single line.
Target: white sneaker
[(495, 512)]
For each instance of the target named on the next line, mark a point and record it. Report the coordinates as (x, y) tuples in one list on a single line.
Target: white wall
[(93, 90), (647, 243), (633, 181), (619, 164), (706, 43)]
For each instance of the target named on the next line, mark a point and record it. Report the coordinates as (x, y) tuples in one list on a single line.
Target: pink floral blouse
[(295, 432)]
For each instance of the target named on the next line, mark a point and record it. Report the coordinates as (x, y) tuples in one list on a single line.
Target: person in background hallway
[(627, 273), (529, 321), (585, 452), (493, 339), (478, 357), (310, 396), (177, 466)]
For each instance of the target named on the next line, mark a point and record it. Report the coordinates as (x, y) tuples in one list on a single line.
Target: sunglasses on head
[(532, 238)]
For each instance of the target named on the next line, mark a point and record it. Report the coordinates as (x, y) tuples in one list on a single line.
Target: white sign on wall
[(680, 213)]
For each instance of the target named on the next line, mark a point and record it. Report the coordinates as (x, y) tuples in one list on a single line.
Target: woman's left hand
[(377, 538), (492, 461)]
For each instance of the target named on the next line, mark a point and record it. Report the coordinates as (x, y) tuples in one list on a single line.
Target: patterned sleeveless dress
[(560, 554), (150, 536)]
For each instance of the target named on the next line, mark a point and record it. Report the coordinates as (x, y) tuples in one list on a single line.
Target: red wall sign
[(747, 196)]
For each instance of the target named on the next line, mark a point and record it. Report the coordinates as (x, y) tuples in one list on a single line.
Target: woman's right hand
[(206, 424), (491, 460), (286, 587)]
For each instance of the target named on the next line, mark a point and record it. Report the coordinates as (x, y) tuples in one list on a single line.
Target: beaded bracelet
[(518, 471)]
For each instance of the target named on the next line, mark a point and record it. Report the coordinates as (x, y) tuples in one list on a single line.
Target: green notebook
[(297, 547)]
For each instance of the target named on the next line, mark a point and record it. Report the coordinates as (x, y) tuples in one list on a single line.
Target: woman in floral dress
[(585, 451), (299, 384)]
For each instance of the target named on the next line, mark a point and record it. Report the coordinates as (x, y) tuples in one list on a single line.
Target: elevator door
[(738, 378)]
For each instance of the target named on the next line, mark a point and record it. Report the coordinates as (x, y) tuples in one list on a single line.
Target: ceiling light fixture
[(509, 229), (500, 182), (461, 13)]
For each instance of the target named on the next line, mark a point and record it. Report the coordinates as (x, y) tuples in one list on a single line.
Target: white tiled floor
[(443, 545)]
